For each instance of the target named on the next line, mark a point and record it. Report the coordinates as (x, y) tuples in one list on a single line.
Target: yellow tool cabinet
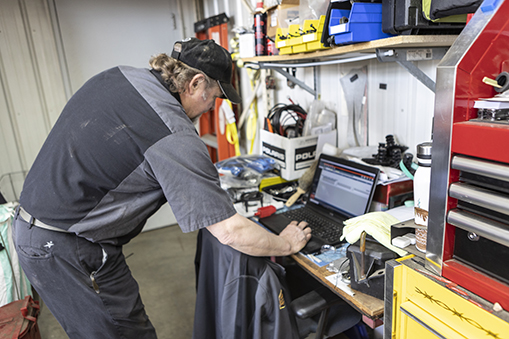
[(419, 306)]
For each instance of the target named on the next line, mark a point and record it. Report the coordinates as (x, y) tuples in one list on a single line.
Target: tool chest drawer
[(425, 308)]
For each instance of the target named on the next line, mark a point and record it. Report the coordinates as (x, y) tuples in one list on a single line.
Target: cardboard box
[(278, 16), (295, 155), (272, 22)]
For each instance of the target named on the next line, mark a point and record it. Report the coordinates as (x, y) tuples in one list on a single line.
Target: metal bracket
[(316, 69), (296, 81), (405, 57)]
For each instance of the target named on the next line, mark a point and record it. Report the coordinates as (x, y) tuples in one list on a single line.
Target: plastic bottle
[(260, 29), (421, 193)]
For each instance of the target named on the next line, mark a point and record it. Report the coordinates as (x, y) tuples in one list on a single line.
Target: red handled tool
[(265, 211)]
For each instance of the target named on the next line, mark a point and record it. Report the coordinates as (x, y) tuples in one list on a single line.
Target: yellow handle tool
[(231, 126)]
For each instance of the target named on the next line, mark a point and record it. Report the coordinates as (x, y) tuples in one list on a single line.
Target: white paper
[(492, 103), (402, 213), (335, 279)]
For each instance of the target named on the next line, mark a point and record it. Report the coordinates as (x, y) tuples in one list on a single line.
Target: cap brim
[(229, 92)]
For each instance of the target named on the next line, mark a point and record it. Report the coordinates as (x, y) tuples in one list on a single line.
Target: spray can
[(260, 29)]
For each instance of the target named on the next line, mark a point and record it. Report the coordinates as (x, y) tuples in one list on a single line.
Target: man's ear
[(195, 83)]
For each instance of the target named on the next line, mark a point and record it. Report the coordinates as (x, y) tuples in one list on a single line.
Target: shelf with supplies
[(399, 41), (404, 49)]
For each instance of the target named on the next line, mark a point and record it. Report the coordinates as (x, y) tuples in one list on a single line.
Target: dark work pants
[(60, 266)]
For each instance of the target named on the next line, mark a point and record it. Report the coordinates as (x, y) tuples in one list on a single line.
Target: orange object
[(268, 125), (215, 28)]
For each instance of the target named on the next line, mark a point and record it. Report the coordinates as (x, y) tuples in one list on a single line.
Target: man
[(123, 146)]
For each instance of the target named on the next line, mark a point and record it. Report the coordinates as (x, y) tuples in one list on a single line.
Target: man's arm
[(247, 237)]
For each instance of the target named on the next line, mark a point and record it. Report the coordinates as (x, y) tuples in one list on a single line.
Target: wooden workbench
[(369, 306)]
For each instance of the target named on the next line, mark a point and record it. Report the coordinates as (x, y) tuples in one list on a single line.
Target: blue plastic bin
[(364, 24)]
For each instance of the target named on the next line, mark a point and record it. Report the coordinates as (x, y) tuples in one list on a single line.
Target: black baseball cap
[(211, 59)]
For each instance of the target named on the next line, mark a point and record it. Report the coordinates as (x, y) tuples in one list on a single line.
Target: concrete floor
[(162, 261)]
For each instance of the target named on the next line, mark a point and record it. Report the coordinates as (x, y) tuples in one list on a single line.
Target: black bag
[(406, 17), (442, 8)]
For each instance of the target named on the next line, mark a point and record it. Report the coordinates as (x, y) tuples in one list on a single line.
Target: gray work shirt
[(121, 148)]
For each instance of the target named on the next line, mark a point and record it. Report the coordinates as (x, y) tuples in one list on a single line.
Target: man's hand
[(297, 235), (250, 238)]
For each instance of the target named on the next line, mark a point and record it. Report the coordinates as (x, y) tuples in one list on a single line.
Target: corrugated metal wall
[(32, 92)]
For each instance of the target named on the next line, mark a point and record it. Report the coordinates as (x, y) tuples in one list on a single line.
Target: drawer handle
[(487, 228), (481, 167), (420, 322), (480, 197)]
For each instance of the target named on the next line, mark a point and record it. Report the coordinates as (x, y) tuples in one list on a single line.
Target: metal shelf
[(403, 49), (407, 41)]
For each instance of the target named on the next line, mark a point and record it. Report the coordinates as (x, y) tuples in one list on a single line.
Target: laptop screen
[(344, 186)]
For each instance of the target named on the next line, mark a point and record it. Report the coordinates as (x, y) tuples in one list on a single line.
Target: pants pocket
[(29, 242), (92, 258)]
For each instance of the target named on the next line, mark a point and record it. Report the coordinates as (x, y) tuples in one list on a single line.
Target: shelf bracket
[(296, 81), (405, 57), (316, 69)]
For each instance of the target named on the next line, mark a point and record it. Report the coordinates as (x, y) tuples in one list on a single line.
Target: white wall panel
[(99, 34), (95, 35), (44, 56), (404, 108), (187, 10)]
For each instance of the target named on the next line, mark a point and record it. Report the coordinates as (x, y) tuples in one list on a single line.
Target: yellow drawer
[(420, 303), (315, 46), (300, 48), (294, 41), (281, 37), (415, 320), (286, 50), (310, 25)]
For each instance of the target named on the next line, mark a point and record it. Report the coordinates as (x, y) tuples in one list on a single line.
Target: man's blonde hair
[(176, 73)]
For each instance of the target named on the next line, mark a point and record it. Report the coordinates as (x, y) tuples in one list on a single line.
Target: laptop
[(341, 189)]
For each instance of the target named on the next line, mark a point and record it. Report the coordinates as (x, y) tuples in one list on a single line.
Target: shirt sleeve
[(181, 164)]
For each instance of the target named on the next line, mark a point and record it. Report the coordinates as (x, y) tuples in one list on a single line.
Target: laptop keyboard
[(328, 231)]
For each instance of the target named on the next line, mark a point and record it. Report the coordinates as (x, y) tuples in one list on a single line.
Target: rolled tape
[(503, 80)]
